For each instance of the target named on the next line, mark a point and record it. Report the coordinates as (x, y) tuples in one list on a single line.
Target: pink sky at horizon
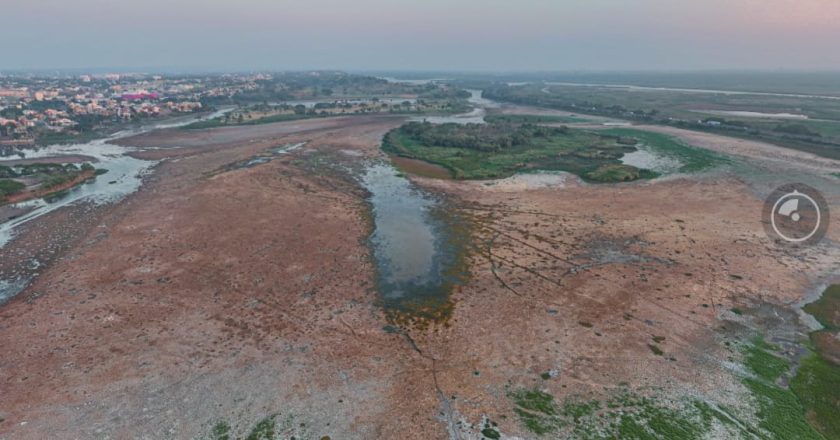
[(434, 34)]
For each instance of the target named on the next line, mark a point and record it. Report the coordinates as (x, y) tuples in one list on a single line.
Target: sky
[(432, 35)]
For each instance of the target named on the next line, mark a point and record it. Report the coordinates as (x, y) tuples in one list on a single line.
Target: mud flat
[(223, 296), (421, 168), (177, 295)]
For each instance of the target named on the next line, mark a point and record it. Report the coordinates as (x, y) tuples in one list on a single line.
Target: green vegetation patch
[(809, 409), (817, 380), (817, 385), (760, 360), (263, 430), (48, 176), (9, 187), (491, 433), (692, 159), (497, 150), (616, 172), (220, 431), (625, 414), (780, 412), (826, 310), (537, 411), (267, 428)]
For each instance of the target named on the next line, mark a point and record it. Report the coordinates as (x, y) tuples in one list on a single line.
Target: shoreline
[(39, 193)]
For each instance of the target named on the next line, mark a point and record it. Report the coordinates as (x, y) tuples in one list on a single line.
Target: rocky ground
[(223, 293)]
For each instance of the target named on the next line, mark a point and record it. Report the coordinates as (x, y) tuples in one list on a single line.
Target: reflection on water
[(404, 238), (413, 250)]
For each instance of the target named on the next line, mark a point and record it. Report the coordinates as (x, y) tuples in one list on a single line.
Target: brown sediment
[(251, 292), (421, 168), (8, 212)]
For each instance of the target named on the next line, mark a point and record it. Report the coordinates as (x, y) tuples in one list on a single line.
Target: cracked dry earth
[(219, 293)]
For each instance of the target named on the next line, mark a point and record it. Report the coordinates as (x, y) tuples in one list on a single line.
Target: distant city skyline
[(434, 35)]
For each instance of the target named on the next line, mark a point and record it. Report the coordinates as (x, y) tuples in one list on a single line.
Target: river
[(124, 174)]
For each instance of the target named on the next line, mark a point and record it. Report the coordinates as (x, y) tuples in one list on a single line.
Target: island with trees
[(500, 149)]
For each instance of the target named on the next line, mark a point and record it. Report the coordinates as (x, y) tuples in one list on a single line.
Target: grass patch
[(817, 381), (579, 410), (780, 413), (759, 359), (536, 401), (537, 411), (624, 415), (817, 385)]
